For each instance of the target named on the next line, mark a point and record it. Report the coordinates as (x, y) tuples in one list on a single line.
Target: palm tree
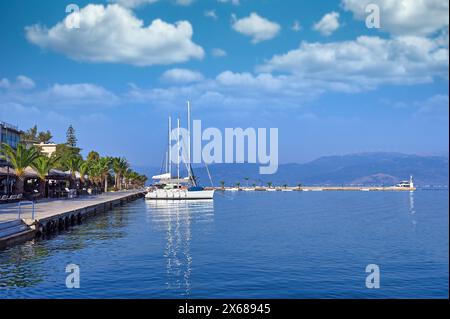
[(141, 180), (269, 184), (284, 186), (299, 185), (119, 166), (246, 179), (73, 164), (42, 166), (133, 179), (127, 177), (83, 169), (238, 185), (104, 165), (94, 172), (20, 159), (222, 184)]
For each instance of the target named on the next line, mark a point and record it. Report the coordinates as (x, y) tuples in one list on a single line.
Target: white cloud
[(184, 2), (256, 27), (406, 17), (22, 82), (58, 96), (139, 3), (328, 24), (14, 109), (366, 62), (235, 90), (79, 94), (181, 76), (296, 26), (211, 14), (4, 83), (434, 106), (218, 53), (133, 3), (233, 2), (113, 34)]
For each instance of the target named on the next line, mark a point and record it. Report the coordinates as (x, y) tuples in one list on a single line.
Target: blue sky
[(331, 86)]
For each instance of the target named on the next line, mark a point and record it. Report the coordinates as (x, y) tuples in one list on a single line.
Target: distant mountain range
[(353, 169)]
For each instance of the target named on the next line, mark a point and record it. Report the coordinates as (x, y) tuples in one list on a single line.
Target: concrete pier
[(317, 188), (52, 215)]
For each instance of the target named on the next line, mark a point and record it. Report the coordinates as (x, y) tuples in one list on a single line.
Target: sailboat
[(168, 187)]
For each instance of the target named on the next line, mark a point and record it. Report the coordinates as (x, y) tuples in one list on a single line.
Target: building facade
[(9, 134), (47, 149)]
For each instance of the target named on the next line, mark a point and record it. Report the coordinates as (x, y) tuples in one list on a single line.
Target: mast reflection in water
[(175, 218)]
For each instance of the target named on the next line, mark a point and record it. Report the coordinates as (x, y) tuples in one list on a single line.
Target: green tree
[(44, 137), (119, 166), (42, 166), (94, 172), (133, 179), (222, 184), (33, 136), (65, 153), (71, 139), (93, 156), (269, 184), (104, 166), (30, 136), (20, 159), (73, 165), (83, 169)]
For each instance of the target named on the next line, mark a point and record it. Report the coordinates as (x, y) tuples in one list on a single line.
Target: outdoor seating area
[(58, 184), (28, 173), (11, 198)]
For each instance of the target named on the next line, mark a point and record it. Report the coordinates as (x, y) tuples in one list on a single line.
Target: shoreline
[(51, 216), (315, 188)]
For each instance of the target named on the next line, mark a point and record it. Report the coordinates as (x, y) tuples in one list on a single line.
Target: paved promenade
[(48, 208)]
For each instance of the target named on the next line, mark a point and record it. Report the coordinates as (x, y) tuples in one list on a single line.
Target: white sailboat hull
[(176, 194)]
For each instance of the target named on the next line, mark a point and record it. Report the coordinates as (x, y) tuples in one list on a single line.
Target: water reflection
[(412, 210), (177, 219), (15, 270), (24, 265)]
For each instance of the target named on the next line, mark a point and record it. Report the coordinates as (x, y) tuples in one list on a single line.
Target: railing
[(9, 126), (22, 203)]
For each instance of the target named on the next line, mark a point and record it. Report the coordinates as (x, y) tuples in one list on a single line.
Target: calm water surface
[(245, 245)]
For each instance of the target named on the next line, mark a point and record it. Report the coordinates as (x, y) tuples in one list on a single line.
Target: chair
[(12, 198)]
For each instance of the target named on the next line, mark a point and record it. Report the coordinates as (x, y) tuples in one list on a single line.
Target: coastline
[(59, 214)]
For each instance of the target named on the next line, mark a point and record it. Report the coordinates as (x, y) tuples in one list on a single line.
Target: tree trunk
[(42, 188), (106, 184), (72, 182), (18, 187)]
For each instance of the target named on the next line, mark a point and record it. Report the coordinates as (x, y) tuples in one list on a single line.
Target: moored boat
[(169, 188)]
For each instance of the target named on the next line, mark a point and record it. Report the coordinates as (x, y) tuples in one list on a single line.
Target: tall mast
[(189, 138), (189, 131), (178, 148), (170, 144)]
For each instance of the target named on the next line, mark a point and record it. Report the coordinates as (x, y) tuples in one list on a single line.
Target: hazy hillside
[(358, 169)]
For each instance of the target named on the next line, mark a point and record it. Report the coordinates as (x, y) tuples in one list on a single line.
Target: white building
[(47, 149)]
